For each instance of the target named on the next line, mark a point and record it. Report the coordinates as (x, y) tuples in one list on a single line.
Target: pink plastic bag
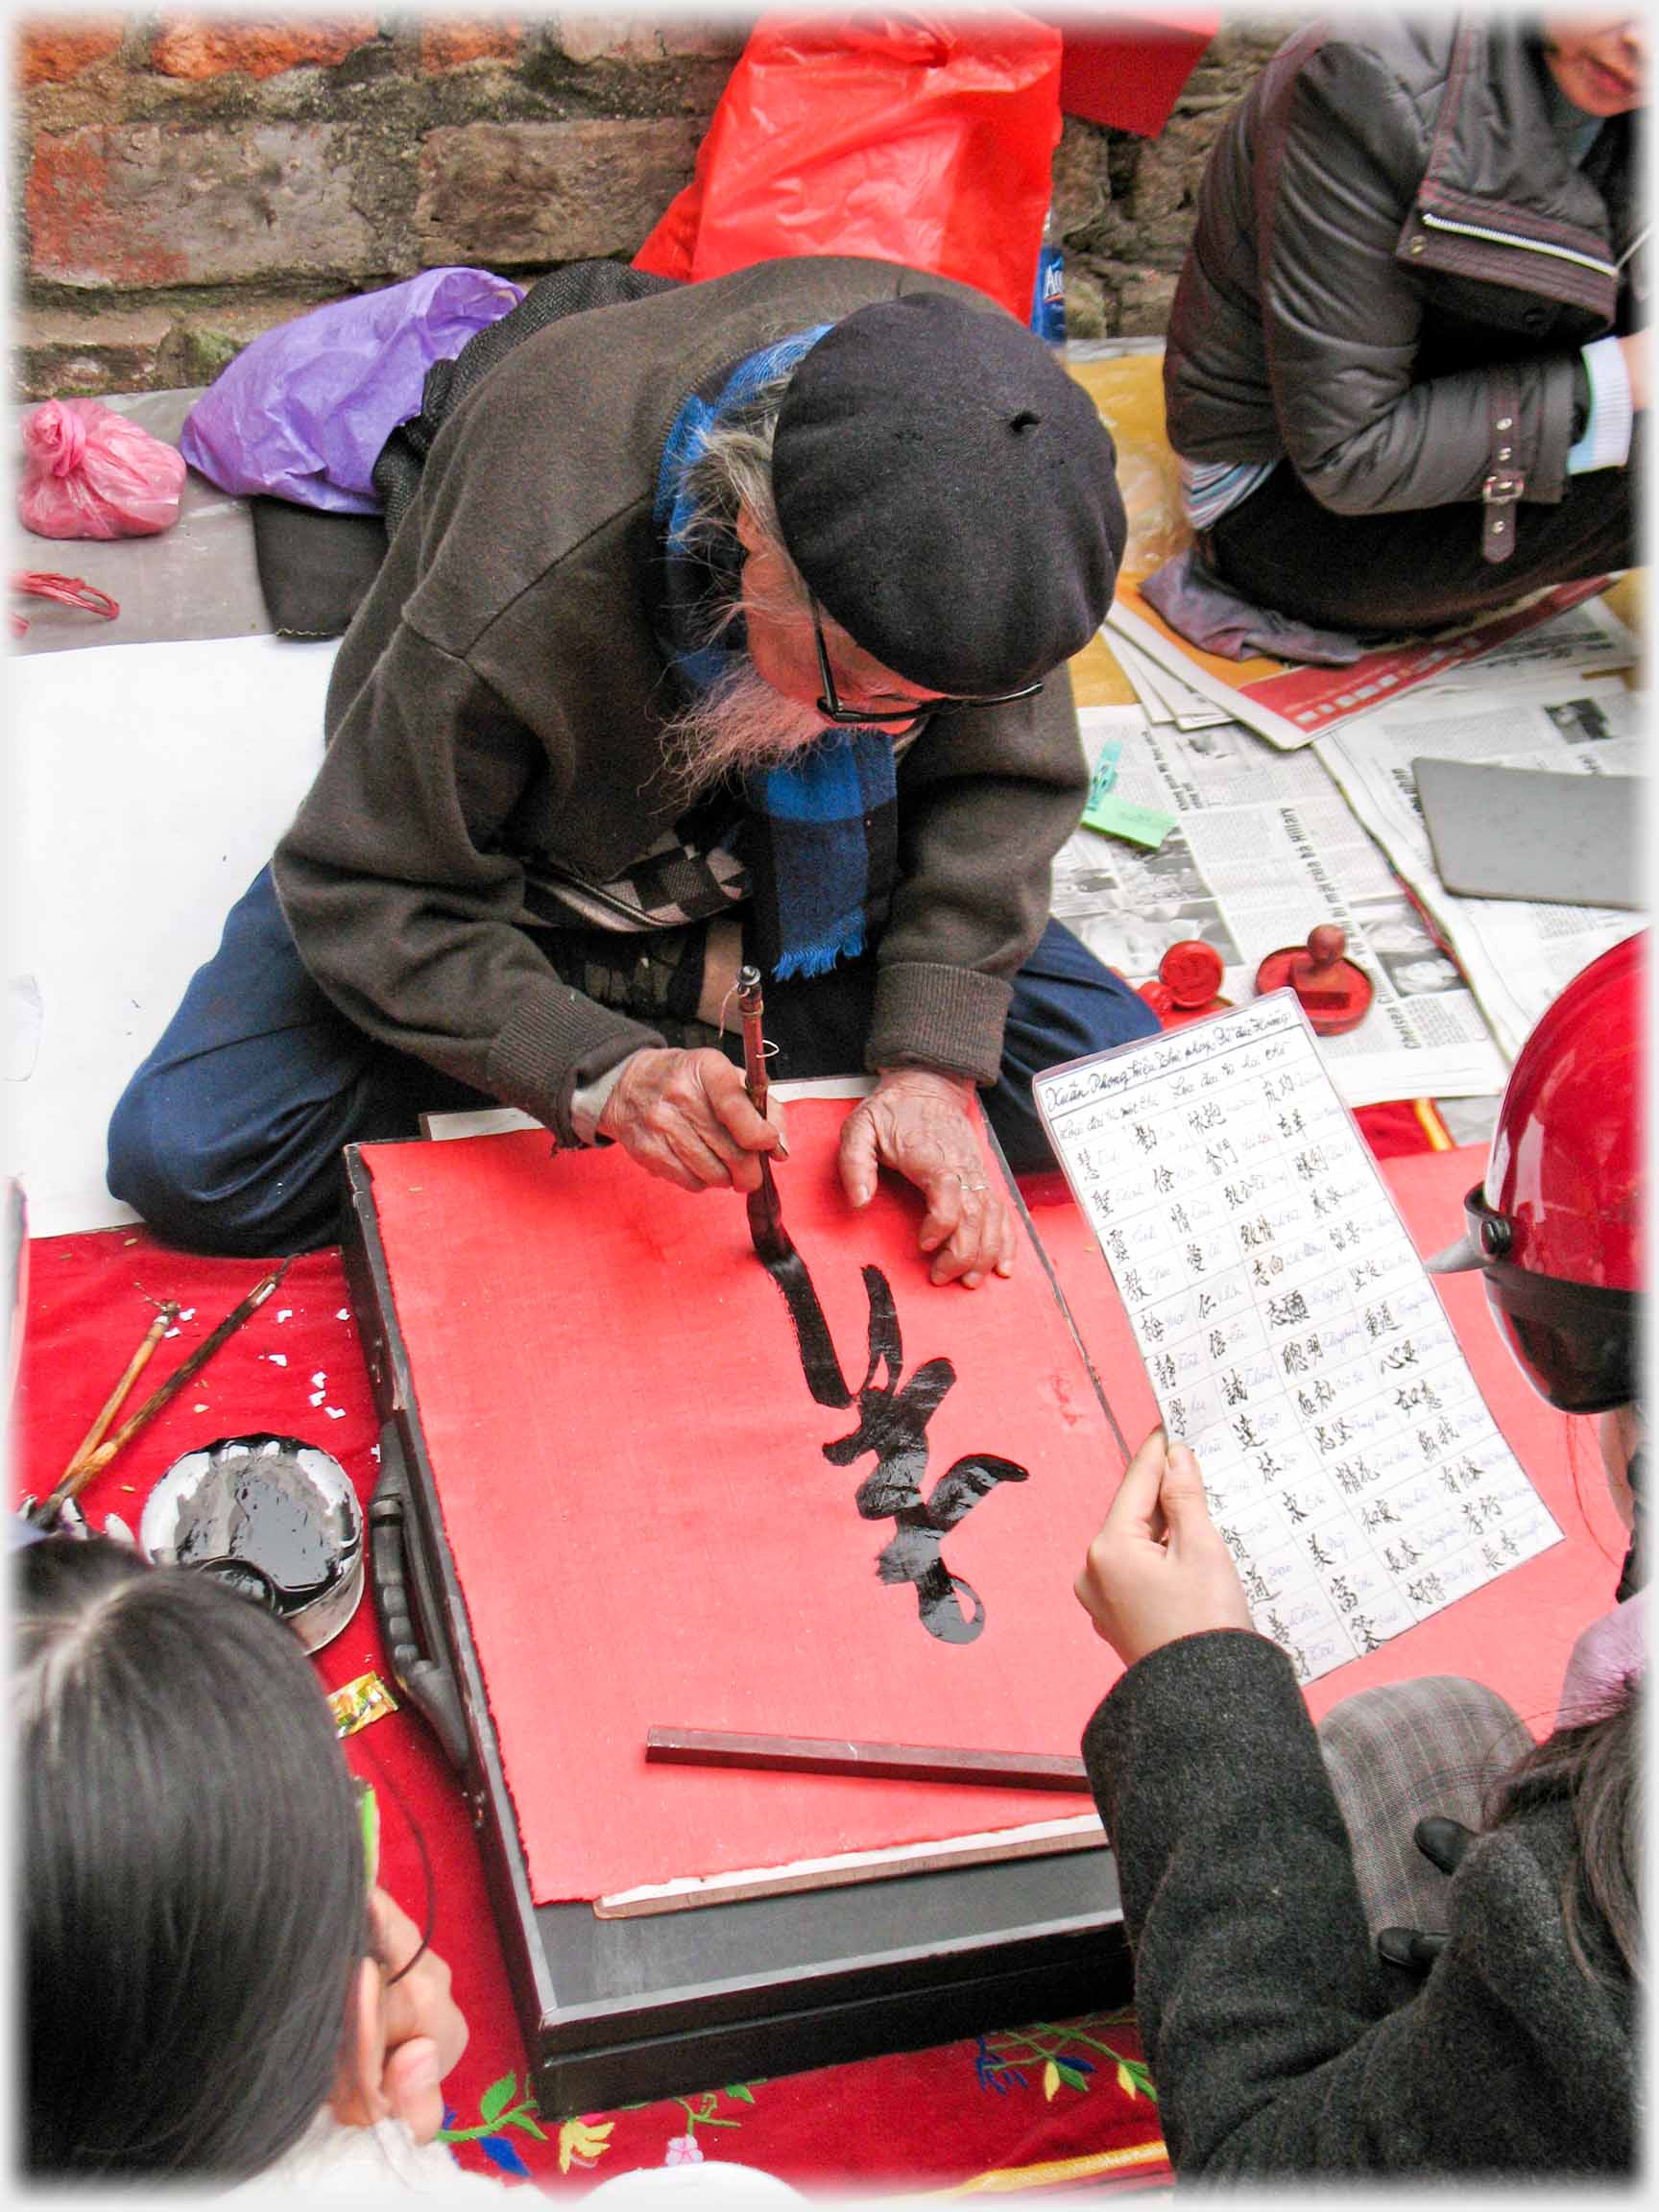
[(88, 472)]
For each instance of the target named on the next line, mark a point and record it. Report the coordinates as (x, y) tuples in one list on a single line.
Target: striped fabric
[(1209, 489)]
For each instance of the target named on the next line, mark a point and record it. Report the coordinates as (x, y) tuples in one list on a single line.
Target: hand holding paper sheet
[(1290, 1332)]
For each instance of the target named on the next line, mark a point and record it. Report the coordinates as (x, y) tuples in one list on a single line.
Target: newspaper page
[(1517, 957), (1164, 695), (1264, 848), (1292, 705), (1290, 1332)]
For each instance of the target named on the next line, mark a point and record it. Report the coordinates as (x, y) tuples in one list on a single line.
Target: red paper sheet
[(1516, 1633), (647, 1530)]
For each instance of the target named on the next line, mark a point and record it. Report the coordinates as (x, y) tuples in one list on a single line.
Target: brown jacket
[(1395, 264), (500, 696)]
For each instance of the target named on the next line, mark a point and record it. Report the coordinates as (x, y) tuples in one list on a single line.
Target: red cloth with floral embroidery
[(1052, 2103)]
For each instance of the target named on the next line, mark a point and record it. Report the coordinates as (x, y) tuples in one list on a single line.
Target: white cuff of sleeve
[(1606, 439), (590, 1102)]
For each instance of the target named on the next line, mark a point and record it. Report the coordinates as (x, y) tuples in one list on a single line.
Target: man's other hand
[(688, 1117), (1158, 1570), (925, 1127)]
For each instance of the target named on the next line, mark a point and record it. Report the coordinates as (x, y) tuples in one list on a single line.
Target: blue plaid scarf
[(819, 837)]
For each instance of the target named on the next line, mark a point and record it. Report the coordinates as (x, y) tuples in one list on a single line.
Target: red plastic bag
[(88, 472), (905, 137)]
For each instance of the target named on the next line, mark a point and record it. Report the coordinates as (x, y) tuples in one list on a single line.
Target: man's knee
[(206, 1193), (1067, 1003), (1115, 1012)]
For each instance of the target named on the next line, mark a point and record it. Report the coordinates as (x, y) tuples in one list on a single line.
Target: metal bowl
[(276, 1518)]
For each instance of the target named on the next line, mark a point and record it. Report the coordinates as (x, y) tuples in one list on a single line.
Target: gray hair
[(733, 471)]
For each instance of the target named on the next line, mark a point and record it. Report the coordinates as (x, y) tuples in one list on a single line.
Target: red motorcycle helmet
[(1557, 1227)]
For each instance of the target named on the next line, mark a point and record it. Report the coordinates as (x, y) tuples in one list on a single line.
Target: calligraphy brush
[(166, 1313), (766, 1231), (75, 1478)]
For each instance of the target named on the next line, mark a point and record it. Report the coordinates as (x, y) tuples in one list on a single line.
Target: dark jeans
[(227, 1137), (1417, 570)]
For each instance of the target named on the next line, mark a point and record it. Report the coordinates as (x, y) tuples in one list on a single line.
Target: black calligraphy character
[(892, 1425)]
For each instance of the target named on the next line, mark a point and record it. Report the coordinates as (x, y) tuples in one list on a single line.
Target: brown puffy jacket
[(1395, 265)]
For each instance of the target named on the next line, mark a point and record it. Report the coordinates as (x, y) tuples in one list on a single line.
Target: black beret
[(949, 493)]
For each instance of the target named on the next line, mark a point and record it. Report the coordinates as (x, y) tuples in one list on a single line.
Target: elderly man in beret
[(728, 624)]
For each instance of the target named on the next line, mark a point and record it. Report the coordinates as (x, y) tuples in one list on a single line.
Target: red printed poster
[(682, 1491)]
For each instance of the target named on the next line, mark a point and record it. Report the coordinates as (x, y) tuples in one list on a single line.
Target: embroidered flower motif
[(584, 2141), (1059, 2050), (496, 2113)]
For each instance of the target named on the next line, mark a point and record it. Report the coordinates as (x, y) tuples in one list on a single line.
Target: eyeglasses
[(830, 706)]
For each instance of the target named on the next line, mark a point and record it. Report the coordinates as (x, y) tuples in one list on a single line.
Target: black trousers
[(1422, 569)]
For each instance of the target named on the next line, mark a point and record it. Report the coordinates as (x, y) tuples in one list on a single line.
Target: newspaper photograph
[(1516, 955), (1264, 848)]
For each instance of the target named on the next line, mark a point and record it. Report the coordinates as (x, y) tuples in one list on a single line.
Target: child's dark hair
[(1597, 1765), (191, 1863)]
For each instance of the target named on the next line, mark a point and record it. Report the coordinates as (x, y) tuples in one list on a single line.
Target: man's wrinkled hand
[(688, 1117), (924, 1126), (1158, 1570)]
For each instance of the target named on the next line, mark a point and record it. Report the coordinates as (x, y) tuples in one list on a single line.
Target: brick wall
[(186, 182)]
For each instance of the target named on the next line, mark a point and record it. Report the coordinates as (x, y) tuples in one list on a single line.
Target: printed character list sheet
[(1291, 1334)]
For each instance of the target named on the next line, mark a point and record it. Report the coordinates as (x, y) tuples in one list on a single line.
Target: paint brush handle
[(750, 1008), (76, 1479), (165, 1316)]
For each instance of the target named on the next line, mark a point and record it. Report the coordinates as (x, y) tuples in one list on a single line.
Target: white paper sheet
[(146, 786), (1290, 1332)]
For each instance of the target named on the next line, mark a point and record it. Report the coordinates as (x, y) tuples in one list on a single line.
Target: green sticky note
[(1116, 817)]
